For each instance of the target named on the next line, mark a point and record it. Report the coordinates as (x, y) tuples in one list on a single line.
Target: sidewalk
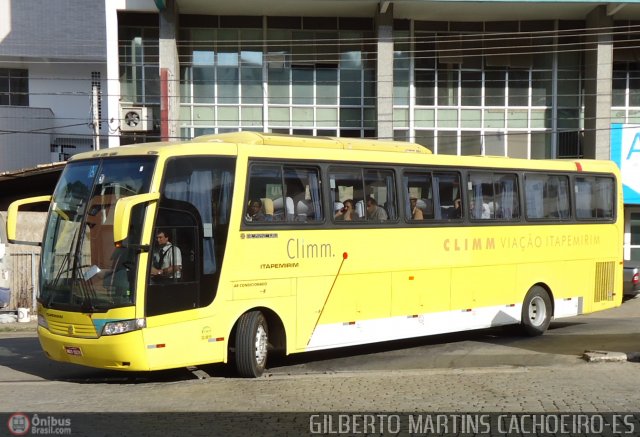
[(9, 323)]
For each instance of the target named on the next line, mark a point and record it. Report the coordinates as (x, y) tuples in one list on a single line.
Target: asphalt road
[(472, 373), (616, 330)]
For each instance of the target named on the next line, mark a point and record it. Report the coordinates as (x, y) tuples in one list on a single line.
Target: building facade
[(52, 58)]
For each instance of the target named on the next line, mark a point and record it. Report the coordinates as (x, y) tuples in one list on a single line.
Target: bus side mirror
[(12, 218), (122, 214)]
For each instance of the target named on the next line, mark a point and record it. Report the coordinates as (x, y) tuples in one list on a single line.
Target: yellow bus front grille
[(604, 281), (72, 329)]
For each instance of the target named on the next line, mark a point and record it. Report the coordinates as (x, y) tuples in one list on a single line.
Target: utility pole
[(95, 116)]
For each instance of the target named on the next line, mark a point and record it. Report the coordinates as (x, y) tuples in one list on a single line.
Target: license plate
[(73, 350)]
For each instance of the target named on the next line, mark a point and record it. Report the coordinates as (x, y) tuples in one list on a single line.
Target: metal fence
[(24, 279)]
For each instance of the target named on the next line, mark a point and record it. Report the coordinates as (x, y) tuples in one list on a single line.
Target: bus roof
[(310, 141), (308, 146)]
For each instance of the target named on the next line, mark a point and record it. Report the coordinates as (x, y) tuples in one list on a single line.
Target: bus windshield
[(82, 270)]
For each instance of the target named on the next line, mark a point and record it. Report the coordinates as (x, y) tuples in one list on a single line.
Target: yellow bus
[(290, 243)]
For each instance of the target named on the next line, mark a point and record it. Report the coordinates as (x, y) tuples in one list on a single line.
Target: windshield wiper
[(86, 290)]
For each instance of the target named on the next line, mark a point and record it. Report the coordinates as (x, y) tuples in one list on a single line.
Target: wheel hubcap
[(537, 311), (261, 345)]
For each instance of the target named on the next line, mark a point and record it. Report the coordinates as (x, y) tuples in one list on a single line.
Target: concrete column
[(169, 72), (598, 84), (112, 90), (384, 27)]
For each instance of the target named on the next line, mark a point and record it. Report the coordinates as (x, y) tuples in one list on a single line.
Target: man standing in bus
[(167, 258)]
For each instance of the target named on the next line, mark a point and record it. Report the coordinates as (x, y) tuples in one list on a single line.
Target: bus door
[(174, 274)]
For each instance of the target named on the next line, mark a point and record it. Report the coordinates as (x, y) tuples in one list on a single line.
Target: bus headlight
[(122, 326), (42, 321)]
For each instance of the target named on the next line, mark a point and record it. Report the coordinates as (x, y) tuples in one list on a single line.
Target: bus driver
[(167, 258)]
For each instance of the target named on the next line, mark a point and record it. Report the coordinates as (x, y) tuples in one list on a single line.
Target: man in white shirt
[(167, 258)]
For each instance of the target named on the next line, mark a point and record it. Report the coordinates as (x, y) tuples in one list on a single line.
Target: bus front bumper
[(118, 352)]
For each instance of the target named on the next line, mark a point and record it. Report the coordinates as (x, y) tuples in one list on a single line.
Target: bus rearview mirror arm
[(122, 216), (12, 218)]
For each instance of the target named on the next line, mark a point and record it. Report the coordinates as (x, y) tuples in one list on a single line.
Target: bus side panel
[(374, 295), (311, 294), (183, 339), (420, 292), (354, 298), (483, 286)]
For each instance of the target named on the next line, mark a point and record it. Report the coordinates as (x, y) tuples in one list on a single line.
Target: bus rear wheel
[(252, 344), (536, 311)]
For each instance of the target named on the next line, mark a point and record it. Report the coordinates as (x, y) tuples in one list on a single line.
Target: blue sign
[(625, 151)]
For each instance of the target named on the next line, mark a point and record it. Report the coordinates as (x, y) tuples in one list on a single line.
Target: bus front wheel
[(252, 340), (536, 311)]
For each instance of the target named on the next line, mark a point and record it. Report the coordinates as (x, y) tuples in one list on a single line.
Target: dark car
[(631, 279)]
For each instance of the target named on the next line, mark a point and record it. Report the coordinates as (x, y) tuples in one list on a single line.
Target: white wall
[(65, 87), (24, 150)]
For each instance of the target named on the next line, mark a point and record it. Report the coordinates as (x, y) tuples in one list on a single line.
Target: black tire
[(536, 311), (252, 344)]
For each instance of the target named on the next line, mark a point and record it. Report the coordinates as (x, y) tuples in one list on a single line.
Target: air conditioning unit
[(134, 119)]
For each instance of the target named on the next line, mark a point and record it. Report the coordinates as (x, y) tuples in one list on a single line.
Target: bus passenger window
[(594, 197), (380, 188), (447, 195), (493, 196), (419, 195), (547, 196), (284, 193), (347, 189), (303, 188)]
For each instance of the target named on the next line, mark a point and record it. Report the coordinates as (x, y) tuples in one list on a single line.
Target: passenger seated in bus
[(375, 212), (167, 258), (346, 213), (416, 213), (304, 210), (456, 211), (492, 206), (482, 211), (254, 211)]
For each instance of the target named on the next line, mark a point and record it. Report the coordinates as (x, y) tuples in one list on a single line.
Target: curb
[(610, 357)]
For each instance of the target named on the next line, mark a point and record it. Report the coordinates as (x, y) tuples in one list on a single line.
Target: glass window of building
[(279, 79), (14, 87), (482, 88)]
